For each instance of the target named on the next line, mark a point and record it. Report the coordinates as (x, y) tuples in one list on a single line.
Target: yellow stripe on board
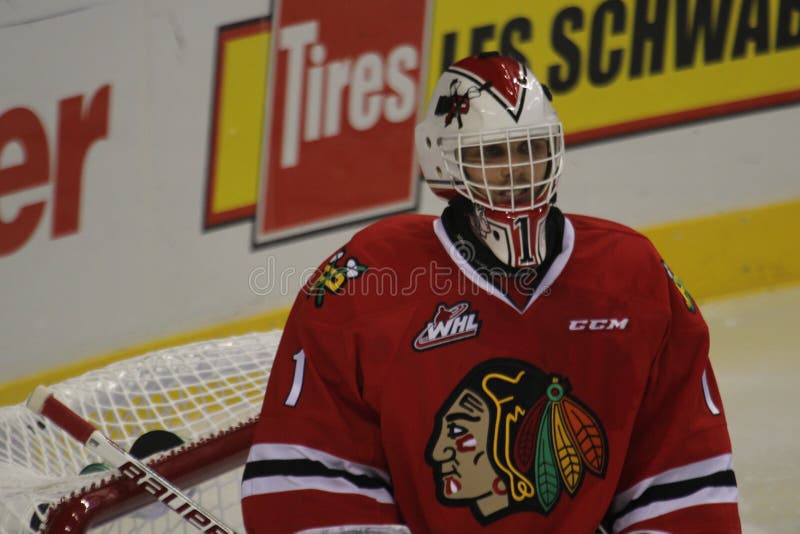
[(737, 252), (714, 256)]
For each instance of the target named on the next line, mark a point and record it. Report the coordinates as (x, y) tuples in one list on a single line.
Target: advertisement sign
[(621, 66), (79, 127), (343, 91)]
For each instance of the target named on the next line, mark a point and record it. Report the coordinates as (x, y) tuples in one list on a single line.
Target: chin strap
[(466, 230), (517, 240), (458, 222)]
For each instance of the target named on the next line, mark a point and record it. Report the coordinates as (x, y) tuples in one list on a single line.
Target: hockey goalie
[(527, 371)]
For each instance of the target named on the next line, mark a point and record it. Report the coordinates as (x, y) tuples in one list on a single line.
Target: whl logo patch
[(449, 324)]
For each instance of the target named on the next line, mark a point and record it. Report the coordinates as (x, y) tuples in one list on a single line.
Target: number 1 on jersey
[(524, 224), (297, 381)]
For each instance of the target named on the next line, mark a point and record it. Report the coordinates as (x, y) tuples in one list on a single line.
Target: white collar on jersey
[(560, 261)]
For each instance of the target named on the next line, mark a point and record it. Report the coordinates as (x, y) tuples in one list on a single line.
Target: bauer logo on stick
[(172, 499), (43, 402)]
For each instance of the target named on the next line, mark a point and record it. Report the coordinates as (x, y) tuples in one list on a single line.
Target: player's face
[(507, 173), (463, 469)]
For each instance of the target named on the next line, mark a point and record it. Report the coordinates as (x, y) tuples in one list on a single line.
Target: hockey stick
[(43, 402)]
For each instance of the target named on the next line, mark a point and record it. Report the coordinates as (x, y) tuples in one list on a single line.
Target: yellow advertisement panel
[(619, 66), (237, 121)]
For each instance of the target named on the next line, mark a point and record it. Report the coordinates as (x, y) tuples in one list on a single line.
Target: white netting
[(194, 391)]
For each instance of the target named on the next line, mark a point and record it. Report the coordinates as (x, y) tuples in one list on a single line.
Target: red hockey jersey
[(408, 389)]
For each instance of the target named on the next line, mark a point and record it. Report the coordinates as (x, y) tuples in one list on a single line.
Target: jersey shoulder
[(397, 240), (413, 225), (630, 264), (601, 237), (588, 223), (367, 274), (618, 260)]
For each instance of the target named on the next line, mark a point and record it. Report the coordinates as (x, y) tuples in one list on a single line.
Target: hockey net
[(202, 400)]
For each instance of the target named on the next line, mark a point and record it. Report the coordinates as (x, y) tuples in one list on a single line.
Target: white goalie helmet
[(491, 135)]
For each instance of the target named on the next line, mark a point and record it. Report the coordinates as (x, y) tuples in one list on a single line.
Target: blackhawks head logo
[(511, 438)]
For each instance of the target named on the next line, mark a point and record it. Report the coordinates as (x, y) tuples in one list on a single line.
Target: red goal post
[(206, 395)]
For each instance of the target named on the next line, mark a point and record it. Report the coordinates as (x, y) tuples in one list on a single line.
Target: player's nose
[(515, 174)]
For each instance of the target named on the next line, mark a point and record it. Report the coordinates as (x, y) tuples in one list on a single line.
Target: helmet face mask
[(515, 173), (492, 136)]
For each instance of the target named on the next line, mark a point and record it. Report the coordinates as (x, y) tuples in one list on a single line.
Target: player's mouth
[(451, 485), (518, 199)]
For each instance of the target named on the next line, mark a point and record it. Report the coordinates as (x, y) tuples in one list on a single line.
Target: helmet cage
[(522, 189)]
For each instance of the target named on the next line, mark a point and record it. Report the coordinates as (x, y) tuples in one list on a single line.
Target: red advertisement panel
[(343, 95)]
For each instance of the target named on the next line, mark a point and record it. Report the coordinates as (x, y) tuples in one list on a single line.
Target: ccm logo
[(598, 324), (172, 500)]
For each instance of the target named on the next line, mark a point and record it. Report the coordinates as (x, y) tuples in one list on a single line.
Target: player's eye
[(493, 151), (454, 430), (471, 154), (539, 148)]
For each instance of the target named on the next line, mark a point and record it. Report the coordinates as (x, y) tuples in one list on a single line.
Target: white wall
[(699, 169), (140, 267)]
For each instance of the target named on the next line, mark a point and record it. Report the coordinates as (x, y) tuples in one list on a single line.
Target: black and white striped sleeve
[(283, 467), (710, 481)]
